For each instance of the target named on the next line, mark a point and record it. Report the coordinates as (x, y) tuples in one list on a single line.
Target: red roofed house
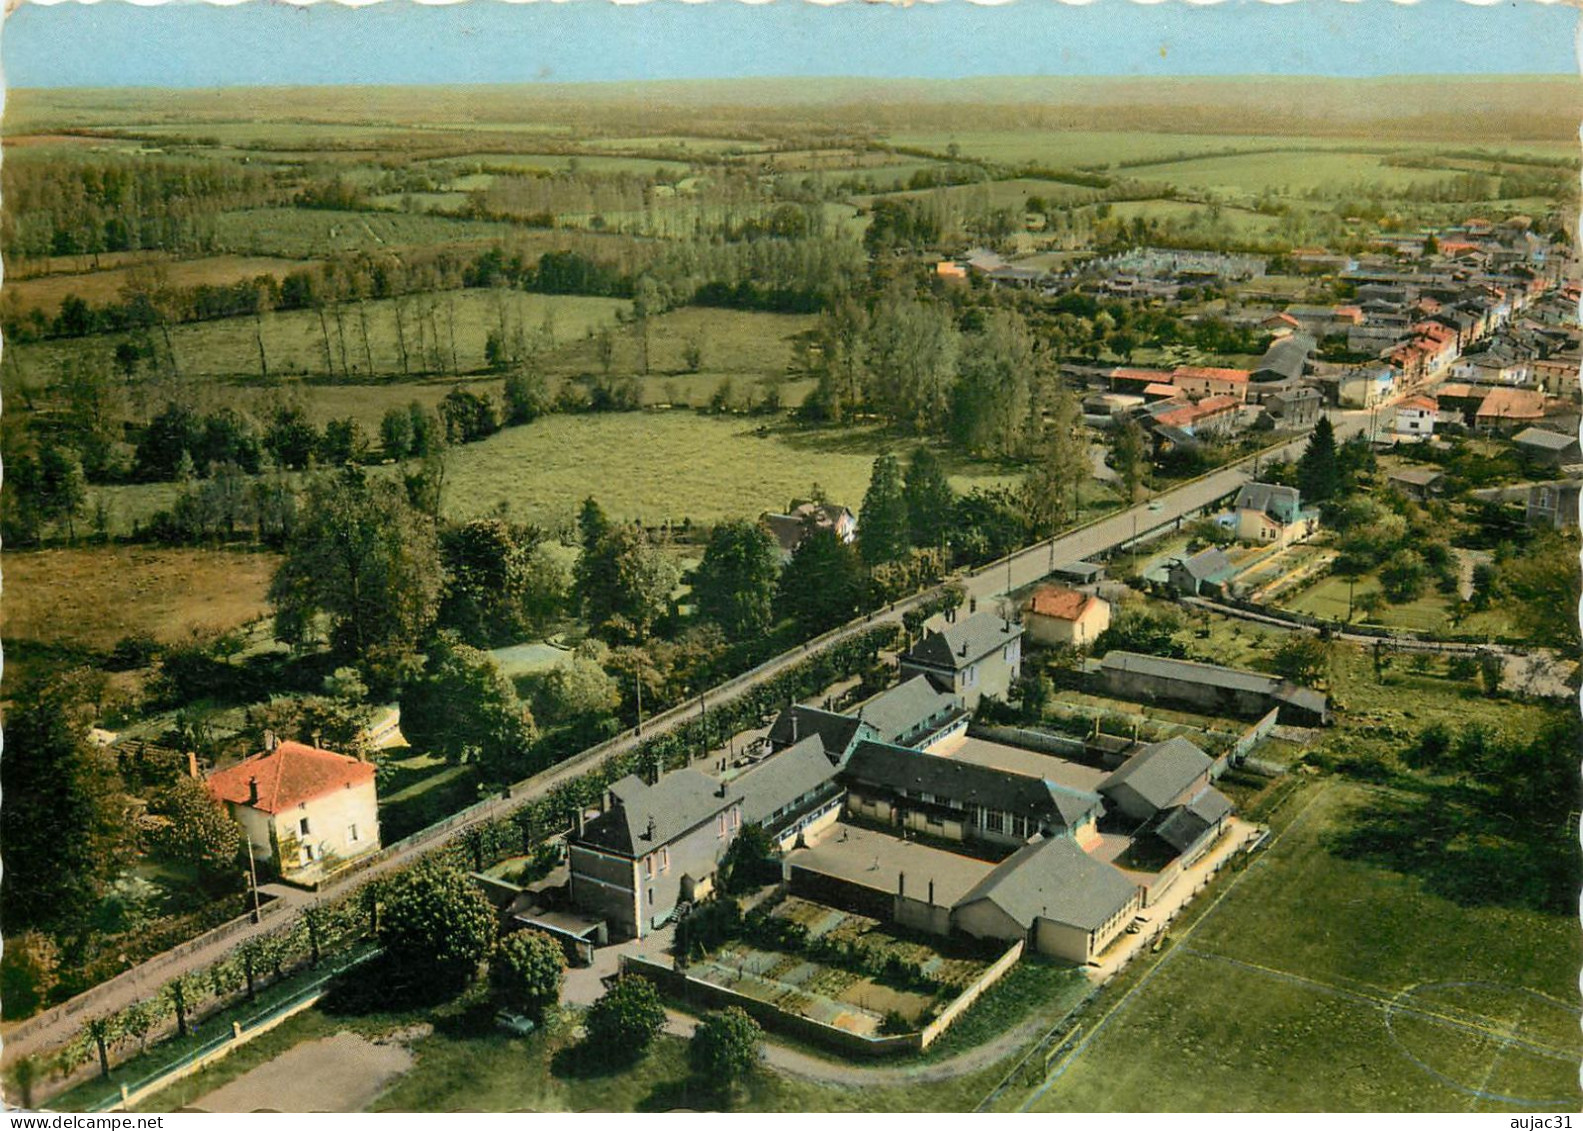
[(1212, 415), (1203, 381), (1507, 408), (1415, 418), (306, 809), (1060, 616)]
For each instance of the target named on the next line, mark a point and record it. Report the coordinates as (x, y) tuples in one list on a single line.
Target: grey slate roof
[(895, 768), (1544, 439), (965, 642), (680, 802), (1209, 565), (1161, 771), (1054, 879), (1190, 671), (1272, 498), (797, 722), (1287, 356), (898, 714), (782, 778), (1186, 823)]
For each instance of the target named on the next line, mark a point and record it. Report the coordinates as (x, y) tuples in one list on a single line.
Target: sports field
[(1315, 982)]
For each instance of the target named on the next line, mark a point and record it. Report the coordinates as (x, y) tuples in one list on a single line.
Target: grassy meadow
[(1321, 982)]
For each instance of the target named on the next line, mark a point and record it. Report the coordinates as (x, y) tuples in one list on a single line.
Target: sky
[(113, 43)]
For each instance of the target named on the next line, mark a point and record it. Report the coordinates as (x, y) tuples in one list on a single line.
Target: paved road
[(58, 1026)]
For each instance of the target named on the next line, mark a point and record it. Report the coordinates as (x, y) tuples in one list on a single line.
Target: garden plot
[(846, 971)]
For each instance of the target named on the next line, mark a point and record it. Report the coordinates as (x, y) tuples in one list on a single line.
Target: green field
[(665, 466), (1321, 983), (294, 341), (1429, 613), (301, 233)]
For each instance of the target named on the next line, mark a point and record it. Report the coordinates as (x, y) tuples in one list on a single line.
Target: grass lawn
[(666, 466), (1328, 983), (421, 790)]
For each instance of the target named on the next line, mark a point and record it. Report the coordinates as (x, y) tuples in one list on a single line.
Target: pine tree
[(1319, 472), (883, 534), (931, 503)]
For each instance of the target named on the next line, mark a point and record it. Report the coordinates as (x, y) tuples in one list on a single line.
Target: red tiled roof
[(1209, 373), (1158, 389), (1060, 603), (1513, 404), (1427, 404), (287, 776), (1126, 373)]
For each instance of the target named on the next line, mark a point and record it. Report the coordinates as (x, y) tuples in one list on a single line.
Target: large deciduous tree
[(625, 1021), (1051, 488), (725, 1047), (625, 582), (997, 388), (365, 558), (525, 972), (464, 708), (436, 925), (501, 582), (734, 585)]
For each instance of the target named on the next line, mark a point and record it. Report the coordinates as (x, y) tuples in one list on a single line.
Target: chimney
[(653, 827), (577, 823), (794, 727), (269, 741), (901, 885), (972, 604), (962, 649), (605, 801), (720, 790), (252, 791), (931, 893), (192, 766), (317, 737)]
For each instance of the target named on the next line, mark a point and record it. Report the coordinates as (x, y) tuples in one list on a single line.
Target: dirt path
[(795, 1062), (340, 1073)]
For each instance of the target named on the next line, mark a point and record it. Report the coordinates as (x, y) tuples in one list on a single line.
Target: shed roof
[(1056, 880), (1160, 772)]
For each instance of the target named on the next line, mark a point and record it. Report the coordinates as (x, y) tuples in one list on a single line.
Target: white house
[(1415, 418), (306, 810)]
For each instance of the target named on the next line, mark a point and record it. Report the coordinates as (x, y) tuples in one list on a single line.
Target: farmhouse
[(803, 517), (971, 659), (306, 810), (1294, 408), (1506, 408), (1210, 688), (1058, 617)]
